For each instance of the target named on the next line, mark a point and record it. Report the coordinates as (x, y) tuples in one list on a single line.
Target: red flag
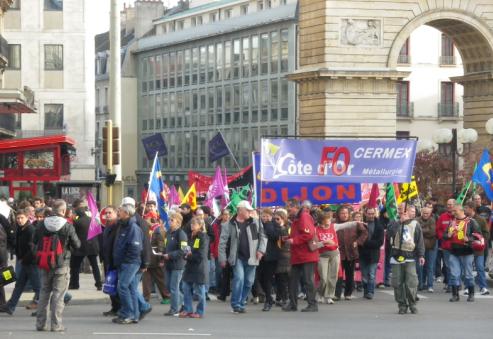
[(375, 192)]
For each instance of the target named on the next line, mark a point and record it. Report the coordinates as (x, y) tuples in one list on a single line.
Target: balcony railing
[(448, 110), (404, 59), (447, 60), (38, 133), (405, 110)]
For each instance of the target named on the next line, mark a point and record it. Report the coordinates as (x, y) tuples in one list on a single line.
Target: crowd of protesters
[(280, 255)]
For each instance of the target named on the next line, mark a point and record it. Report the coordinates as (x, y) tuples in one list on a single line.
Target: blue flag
[(155, 143), (157, 191), (483, 174), (217, 147)]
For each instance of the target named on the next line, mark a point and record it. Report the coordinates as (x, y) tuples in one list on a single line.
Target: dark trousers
[(265, 273), (348, 267), (225, 285), (282, 286), (154, 275), (75, 263), (306, 272)]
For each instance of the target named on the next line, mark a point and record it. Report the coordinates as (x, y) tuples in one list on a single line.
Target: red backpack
[(49, 252)]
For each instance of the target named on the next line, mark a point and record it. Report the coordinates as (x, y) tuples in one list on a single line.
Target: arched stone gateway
[(348, 61)]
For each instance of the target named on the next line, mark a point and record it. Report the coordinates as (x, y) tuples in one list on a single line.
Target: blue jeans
[(368, 273), (446, 261), (212, 274), (127, 290), (430, 262), (173, 279), (142, 304), (457, 263), (24, 274), (199, 290), (243, 278), (481, 275)]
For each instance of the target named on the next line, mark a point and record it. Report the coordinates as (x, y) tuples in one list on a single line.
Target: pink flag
[(173, 197), (216, 189), (225, 198), (95, 226), (375, 192)]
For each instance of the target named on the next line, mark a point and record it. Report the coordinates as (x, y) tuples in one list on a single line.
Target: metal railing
[(448, 110), (405, 110), (447, 60)]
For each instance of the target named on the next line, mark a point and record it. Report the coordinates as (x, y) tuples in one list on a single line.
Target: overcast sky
[(101, 14)]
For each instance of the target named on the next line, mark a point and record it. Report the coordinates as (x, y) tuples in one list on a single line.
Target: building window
[(53, 5), (404, 53), (53, 116), (98, 99), (16, 5), (268, 4), (181, 25), (403, 99), (194, 22), (447, 57), (274, 55), (172, 26), (283, 2), (284, 50), (228, 13), (244, 10), (213, 17), (14, 57), (264, 53), (53, 57), (402, 134), (200, 21), (447, 106), (260, 5)]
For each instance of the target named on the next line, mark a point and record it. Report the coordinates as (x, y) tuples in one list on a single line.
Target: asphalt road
[(358, 318)]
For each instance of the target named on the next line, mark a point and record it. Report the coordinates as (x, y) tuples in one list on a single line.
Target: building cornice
[(349, 73)]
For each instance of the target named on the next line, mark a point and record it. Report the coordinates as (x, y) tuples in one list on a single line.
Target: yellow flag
[(191, 198), (408, 191), (180, 193)]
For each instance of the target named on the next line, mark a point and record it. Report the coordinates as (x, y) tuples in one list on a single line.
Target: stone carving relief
[(361, 32)]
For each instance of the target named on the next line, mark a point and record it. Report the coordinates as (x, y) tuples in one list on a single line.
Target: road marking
[(156, 334), (392, 293)]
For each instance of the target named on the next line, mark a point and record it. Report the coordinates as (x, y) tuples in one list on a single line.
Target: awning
[(19, 144), (14, 101)]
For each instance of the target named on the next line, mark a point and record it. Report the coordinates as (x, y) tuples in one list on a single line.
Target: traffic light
[(111, 144), (110, 179)]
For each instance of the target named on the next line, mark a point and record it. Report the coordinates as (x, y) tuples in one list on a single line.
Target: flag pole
[(229, 149)]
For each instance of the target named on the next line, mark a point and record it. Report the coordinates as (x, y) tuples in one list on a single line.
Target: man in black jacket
[(24, 251), (109, 235), (4, 252), (369, 253), (88, 248)]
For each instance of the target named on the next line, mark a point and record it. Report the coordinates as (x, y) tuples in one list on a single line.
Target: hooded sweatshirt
[(65, 232)]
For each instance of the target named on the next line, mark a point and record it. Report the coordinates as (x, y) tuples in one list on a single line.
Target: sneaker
[(348, 297), (310, 309), (6, 309), (430, 290), (122, 321), (58, 329), (184, 315), (165, 301), (329, 301), (236, 310), (466, 292), (484, 291), (110, 313), (172, 313), (255, 300), (289, 308), (413, 309), (301, 295), (144, 313), (438, 280), (195, 316)]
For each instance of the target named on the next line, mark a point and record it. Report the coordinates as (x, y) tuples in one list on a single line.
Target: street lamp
[(448, 139)]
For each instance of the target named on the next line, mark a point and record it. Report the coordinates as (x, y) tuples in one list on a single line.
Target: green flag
[(462, 196), (238, 195), (390, 202)]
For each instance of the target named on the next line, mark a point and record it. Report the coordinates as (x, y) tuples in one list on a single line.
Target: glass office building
[(228, 77)]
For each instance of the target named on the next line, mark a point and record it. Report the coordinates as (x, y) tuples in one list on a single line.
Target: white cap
[(128, 201), (245, 204)]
